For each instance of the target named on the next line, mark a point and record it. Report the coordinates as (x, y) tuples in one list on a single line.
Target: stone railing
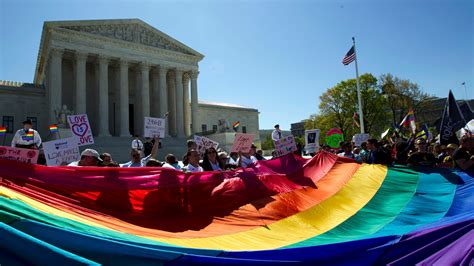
[(18, 84)]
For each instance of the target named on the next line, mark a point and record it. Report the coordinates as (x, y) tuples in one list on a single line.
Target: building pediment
[(130, 30)]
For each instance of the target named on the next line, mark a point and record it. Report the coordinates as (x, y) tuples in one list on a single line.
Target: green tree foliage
[(267, 144), (338, 104), (402, 95)]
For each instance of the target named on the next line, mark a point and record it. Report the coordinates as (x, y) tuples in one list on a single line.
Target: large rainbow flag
[(325, 210)]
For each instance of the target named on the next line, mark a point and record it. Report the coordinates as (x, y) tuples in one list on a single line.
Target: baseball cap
[(91, 153), (28, 121)]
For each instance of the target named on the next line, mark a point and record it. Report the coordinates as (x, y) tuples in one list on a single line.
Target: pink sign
[(285, 145), (18, 154), (81, 129), (242, 143)]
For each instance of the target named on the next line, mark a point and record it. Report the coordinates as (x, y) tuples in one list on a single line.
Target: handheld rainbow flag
[(236, 125), (3, 131), (409, 121), (29, 135), (53, 128)]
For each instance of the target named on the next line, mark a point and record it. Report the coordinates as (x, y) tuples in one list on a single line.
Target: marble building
[(116, 71)]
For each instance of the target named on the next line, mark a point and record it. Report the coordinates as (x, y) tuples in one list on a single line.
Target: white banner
[(204, 143), (19, 154), (61, 151), (81, 129), (358, 139), (285, 145), (311, 140), (154, 127)]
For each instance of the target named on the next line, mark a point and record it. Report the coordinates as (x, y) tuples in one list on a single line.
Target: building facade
[(117, 72)]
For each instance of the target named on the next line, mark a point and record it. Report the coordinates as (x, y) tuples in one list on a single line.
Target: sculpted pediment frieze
[(130, 33)]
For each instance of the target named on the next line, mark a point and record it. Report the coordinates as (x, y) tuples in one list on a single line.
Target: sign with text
[(19, 154), (204, 143), (154, 127), (285, 145), (81, 129), (358, 139), (242, 143), (311, 140), (61, 151)]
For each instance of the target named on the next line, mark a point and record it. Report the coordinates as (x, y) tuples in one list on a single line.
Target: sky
[(277, 56)]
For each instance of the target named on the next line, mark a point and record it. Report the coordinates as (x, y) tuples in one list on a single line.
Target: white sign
[(204, 143), (285, 145), (61, 151), (19, 154), (154, 127), (358, 139), (81, 129), (311, 140), (242, 143)]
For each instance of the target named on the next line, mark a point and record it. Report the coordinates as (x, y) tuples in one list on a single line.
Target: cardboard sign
[(81, 129), (19, 154), (61, 151), (311, 140), (285, 145), (204, 143), (242, 143), (154, 127), (359, 138)]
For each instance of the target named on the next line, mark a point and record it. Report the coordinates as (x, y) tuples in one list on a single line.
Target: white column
[(124, 123), (155, 99), (164, 98), (186, 106), (179, 104), (81, 60), (55, 84), (172, 103), (145, 91), (103, 97), (194, 102)]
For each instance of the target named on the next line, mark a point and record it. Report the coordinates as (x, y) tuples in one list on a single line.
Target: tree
[(338, 104), (402, 95), (267, 144)]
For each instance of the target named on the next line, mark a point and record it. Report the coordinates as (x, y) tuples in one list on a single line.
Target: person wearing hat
[(421, 157), (276, 134), (89, 157), (27, 137)]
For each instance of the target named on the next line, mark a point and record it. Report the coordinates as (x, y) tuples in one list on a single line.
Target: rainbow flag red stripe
[(3, 131), (53, 128), (236, 124), (29, 135)]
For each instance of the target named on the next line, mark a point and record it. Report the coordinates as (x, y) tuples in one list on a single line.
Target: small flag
[(385, 133), (29, 135), (355, 120), (409, 121), (53, 128), (423, 133), (3, 131), (349, 57), (236, 125)]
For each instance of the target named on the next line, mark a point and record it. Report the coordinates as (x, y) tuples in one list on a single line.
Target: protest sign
[(19, 154), (61, 151), (359, 138), (242, 143), (81, 129), (333, 137), (312, 140), (154, 127), (204, 143), (285, 145)]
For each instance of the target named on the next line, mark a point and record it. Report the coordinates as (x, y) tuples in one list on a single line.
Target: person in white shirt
[(276, 134), (89, 157), (171, 162), (245, 159), (138, 160), (26, 137), (193, 164)]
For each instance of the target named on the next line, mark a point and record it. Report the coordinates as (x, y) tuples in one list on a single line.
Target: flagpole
[(361, 114)]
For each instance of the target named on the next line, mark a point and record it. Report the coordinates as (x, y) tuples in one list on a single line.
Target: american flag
[(349, 57)]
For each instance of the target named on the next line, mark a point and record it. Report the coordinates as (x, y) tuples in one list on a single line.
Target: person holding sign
[(138, 160), (27, 137)]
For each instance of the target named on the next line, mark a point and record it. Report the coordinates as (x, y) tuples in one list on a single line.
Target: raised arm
[(154, 150)]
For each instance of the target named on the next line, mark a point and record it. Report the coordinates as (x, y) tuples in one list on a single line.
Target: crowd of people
[(417, 152)]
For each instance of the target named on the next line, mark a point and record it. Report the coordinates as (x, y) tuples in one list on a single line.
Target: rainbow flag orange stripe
[(3, 131), (53, 128)]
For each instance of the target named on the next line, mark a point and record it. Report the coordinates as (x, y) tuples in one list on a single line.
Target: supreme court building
[(117, 72)]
